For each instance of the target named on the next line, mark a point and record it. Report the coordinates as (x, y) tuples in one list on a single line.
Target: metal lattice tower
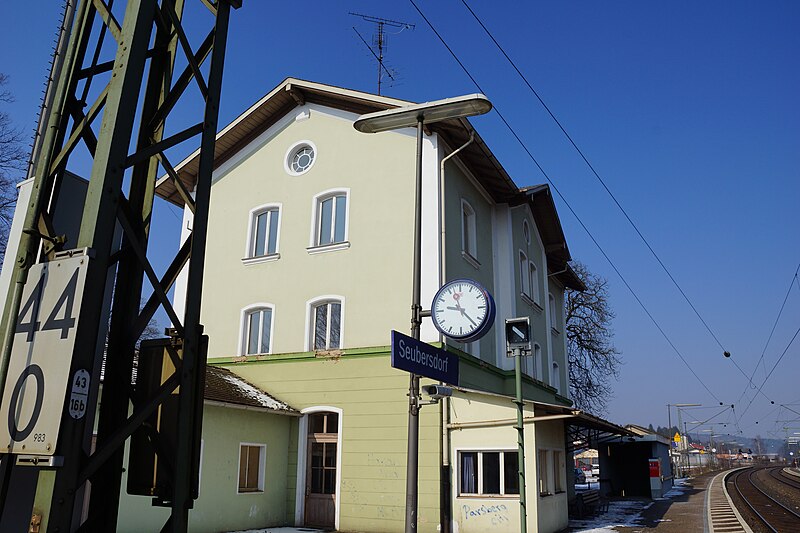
[(118, 121)]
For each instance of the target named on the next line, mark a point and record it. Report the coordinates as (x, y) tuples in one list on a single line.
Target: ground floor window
[(493, 473), (251, 467), (543, 472)]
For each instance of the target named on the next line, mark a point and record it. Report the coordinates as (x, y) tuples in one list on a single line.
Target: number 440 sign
[(38, 372)]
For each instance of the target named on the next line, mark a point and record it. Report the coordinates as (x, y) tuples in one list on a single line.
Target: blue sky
[(687, 110)]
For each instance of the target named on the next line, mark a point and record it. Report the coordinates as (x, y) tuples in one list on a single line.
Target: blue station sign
[(423, 359)]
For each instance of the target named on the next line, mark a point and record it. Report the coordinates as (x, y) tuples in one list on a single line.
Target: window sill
[(260, 259), (528, 300), (489, 496), (555, 332), (471, 260), (328, 248), (250, 491), (545, 494)]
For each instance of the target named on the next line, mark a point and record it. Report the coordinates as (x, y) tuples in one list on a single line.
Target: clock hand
[(454, 308), (464, 313)]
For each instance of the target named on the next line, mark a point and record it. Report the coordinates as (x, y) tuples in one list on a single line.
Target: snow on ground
[(623, 513)]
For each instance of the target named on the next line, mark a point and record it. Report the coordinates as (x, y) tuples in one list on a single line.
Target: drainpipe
[(445, 504)]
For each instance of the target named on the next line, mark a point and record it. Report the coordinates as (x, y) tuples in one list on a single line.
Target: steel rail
[(742, 489)]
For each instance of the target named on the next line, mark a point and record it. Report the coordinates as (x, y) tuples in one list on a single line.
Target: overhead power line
[(555, 188), (596, 175), (772, 331)]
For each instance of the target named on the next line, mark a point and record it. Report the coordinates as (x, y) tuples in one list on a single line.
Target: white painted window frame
[(316, 202), (290, 153), (469, 237), (262, 466), (310, 306), (249, 257), (479, 485), (244, 330)]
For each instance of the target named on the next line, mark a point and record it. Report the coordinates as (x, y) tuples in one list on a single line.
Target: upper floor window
[(553, 315), (257, 330), (555, 378), (526, 231), (326, 325), (330, 218), (264, 224), (469, 244), (537, 361), (534, 281), (524, 275), (300, 158)]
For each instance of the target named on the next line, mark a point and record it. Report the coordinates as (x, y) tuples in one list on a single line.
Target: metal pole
[(523, 527), (682, 447), (412, 461)]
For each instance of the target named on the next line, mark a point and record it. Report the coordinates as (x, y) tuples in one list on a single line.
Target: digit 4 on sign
[(41, 357), (463, 310)]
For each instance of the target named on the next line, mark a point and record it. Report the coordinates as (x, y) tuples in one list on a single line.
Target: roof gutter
[(218, 403)]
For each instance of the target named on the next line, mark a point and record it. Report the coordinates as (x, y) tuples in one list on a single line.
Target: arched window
[(555, 378), (526, 231), (264, 226), (330, 218), (325, 326), (553, 316), (257, 329), (469, 244)]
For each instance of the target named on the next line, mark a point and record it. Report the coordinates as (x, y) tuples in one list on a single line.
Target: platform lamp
[(393, 119)]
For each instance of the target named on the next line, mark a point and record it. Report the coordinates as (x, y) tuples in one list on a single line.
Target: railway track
[(772, 514), (787, 479)]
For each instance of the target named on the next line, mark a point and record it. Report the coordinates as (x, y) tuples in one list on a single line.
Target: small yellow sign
[(677, 437)]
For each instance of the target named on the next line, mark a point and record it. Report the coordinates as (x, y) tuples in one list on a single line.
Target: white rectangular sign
[(38, 371)]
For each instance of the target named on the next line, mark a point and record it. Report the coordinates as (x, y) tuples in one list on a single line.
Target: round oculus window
[(301, 159)]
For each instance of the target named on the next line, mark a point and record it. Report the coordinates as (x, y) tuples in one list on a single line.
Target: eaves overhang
[(293, 92)]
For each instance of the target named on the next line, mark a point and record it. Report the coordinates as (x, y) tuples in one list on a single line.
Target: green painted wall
[(372, 397), (457, 187), (219, 506)]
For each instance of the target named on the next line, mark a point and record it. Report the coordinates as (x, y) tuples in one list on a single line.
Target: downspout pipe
[(444, 408)]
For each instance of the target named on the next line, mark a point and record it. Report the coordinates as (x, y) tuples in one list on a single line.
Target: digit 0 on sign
[(17, 434)]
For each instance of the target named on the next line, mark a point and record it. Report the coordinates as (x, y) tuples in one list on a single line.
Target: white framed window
[(558, 471), (257, 329), (537, 361), (488, 472), (555, 377), (533, 278), (469, 242), (300, 157), (252, 459), (264, 232), (553, 316), (524, 275), (526, 231), (325, 323), (330, 219), (543, 472)]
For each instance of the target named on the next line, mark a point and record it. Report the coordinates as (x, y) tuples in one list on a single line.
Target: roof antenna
[(379, 41)]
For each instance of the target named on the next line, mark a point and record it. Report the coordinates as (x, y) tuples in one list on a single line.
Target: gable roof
[(476, 156), (224, 386)]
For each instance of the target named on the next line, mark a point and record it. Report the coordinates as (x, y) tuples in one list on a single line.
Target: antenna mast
[(379, 41)]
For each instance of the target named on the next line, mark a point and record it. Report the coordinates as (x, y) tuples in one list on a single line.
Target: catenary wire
[(555, 188), (596, 175), (769, 338)]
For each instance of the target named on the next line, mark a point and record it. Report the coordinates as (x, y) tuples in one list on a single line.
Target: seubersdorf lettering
[(418, 356)]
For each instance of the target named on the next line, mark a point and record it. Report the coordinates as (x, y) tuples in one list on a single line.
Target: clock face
[(463, 310)]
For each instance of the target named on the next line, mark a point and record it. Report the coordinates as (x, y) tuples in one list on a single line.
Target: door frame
[(302, 463)]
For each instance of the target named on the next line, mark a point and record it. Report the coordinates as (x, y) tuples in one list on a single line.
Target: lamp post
[(405, 117)]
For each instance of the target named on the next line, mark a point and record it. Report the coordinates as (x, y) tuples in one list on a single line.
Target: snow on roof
[(222, 385)]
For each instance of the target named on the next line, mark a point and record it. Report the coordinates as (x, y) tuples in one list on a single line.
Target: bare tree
[(593, 359), (12, 165)]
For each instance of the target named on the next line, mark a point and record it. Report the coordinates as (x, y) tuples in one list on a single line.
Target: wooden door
[(321, 467)]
